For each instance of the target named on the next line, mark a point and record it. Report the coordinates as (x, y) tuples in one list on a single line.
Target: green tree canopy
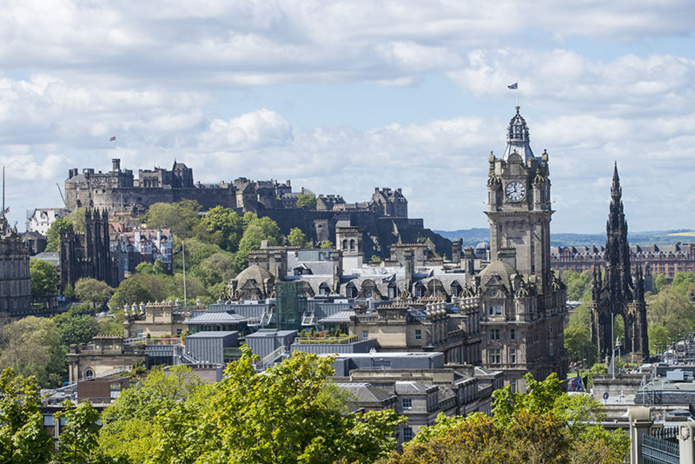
[(280, 416), (543, 425), (225, 226), (76, 328), (58, 227), (22, 436), (131, 290), (44, 278), (78, 437), (32, 346), (93, 291), (672, 310), (296, 238), (306, 199), (129, 422), (181, 218)]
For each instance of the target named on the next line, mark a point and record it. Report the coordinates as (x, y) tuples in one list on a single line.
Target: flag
[(112, 139), (6, 210), (514, 86), (179, 250)]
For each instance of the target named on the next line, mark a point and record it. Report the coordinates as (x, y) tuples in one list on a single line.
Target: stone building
[(522, 302), (383, 218), (615, 293), (88, 254), (15, 281)]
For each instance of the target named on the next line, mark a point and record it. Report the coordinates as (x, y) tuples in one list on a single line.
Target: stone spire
[(517, 138), (618, 276)]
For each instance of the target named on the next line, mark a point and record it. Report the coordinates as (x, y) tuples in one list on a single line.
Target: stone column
[(640, 422), (685, 440)]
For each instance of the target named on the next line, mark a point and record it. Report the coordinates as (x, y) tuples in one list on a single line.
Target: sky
[(345, 96)]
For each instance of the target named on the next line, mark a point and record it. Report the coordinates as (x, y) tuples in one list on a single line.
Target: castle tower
[(615, 293), (522, 302)]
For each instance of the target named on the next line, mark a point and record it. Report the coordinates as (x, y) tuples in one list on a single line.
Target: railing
[(270, 357), (327, 340), (659, 451)]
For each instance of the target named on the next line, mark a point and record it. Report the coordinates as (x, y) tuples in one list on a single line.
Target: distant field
[(684, 234)]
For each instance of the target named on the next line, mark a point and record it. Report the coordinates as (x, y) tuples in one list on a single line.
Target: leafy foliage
[(93, 291), (22, 436), (541, 426), (44, 278), (278, 416), (306, 199), (32, 347), (58, 227), (78, 437), (297, 238)]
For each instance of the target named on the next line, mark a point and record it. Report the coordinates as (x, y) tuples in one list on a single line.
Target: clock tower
[(522, 302), (519, 207)]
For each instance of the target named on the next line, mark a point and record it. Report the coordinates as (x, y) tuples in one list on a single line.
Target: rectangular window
[(494, 334), (512, 356), (552, 348), (552, 328), (407, 403), (418, 334), (407, 434), (491, 310), (365, 334), (512, 385), (494, 357), (512, 334)]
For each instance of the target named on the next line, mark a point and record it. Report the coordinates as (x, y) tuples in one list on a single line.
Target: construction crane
[(61, 195)]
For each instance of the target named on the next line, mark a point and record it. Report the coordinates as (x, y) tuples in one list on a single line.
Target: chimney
[(469, 260), (456, 251), (409, 255), (116, 165)]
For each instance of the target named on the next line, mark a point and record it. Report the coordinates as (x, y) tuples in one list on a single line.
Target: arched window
[(88, 374), (352, 244)]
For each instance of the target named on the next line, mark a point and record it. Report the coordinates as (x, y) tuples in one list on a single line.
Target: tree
[(682, 283), (225, 226), (129, 422), (217, 268), (76, 328), (296, 238), (658, 337), (579, 346), (31, 346), (130, 291), (327, 245), (660, 282), (280, 416), (306, 199), (22, 436), (93, 291), (578, 285), (540, 426), (78, 437), (672, 310), (181, 218), (44, 278), (57, 228)]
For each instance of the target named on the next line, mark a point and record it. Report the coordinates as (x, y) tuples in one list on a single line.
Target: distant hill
[(471, 237)]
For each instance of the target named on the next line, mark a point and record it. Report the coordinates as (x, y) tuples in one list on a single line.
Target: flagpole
[(185, 301), (3, 191)]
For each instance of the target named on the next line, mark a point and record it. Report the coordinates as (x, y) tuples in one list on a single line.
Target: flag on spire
[(514, 86), (112, 139)]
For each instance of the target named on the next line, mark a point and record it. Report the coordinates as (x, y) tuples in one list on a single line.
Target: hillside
[(471, 237)]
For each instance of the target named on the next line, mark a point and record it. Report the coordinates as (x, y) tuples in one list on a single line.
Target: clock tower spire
[(519, 205), (522, 301)]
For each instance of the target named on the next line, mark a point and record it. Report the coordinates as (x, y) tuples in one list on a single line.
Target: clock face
[(515, 191)]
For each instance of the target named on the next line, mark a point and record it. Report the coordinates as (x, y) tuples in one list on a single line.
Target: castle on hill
[(384, 217)]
